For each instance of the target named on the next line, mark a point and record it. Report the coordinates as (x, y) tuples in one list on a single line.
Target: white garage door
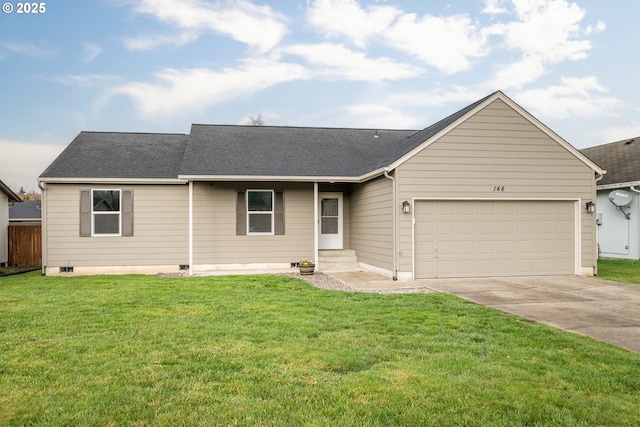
[(494, 238)]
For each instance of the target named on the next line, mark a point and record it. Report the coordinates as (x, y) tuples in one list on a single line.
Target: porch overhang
[(285, 178)]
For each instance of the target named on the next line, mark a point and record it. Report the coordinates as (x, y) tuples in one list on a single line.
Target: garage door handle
[(435, 251)]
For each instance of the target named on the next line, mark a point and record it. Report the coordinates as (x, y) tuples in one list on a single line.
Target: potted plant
[(306, 267)]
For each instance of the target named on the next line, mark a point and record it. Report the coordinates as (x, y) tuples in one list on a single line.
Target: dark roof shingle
[(28, 209), (120, 155), (621, 160), (236, 151), (286, 151)]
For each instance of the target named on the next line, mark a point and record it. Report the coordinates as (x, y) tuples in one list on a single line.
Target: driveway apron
[(604, 310)]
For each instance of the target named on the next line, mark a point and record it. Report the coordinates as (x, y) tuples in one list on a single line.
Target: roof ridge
[(134, 133), (623, 140), (302, 127)]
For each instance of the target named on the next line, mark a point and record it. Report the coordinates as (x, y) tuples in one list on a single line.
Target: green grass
[(621, 270), (267, 350)]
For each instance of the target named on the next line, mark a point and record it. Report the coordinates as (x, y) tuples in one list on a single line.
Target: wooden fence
[(25, 245)]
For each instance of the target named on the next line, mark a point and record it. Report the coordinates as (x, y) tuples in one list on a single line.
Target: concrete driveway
[(604, 310)]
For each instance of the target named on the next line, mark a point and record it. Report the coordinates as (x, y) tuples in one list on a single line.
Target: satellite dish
[(620, 198)]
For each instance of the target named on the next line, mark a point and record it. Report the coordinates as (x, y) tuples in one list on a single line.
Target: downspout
[(395, 225), (190, 228), (43, 224), (597, 248), (635, 190), (316, 225)]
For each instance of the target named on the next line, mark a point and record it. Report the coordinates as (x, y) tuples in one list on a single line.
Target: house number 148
[(498, 188)]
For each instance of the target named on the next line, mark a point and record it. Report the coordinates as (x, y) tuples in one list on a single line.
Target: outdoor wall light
[(591, 207), (406, 207)]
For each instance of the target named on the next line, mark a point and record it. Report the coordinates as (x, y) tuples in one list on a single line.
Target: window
[(105, 212), (260, 211)]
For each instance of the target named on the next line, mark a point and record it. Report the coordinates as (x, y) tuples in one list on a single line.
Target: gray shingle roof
[(621, 160), (287, 151), (226, 150), (29, 209), (120, 155)]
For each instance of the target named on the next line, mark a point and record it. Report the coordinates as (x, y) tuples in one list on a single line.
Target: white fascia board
[(270, 178), (618, 185), (129, 181), (551, 134)]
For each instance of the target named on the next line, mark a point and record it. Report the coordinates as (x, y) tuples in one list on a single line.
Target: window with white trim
[(105, 213), (260, 214)]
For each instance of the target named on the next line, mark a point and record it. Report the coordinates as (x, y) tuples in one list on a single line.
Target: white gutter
[(190, 228), (286, 178), (618, 185), (316, 225), (43, 224), (395, 225), (87, 180)]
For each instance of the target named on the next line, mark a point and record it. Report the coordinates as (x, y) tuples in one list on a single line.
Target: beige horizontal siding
[(160, 229), (215, 240), (496, 147), (371, 222)]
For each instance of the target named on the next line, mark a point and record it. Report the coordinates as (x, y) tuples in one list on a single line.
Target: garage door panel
[(486, 246), (445, 228), (494, 238), (506, 227), (526, 227), (526, 247)]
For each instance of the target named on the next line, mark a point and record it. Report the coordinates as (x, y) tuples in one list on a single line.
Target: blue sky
[(160, 65)]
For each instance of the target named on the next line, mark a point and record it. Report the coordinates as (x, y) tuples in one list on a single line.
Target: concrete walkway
[(604, 310)]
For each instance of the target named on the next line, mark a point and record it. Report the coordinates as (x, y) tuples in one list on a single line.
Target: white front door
[(330, 226)]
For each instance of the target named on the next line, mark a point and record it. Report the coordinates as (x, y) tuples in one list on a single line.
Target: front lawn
[(268, 350), (621, 270)]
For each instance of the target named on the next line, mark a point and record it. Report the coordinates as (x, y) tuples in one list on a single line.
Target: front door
[(330, 227)]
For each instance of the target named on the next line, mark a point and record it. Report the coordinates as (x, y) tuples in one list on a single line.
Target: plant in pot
[(306, 267)]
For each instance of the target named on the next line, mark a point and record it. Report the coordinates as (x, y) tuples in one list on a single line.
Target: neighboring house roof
[(120, 155), (27, 210), (621, 159), (13, 197), (226, 152)]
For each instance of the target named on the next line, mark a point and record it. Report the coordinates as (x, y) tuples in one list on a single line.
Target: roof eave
[(618, 185), (10, 194), (89, 180), (285, 178)]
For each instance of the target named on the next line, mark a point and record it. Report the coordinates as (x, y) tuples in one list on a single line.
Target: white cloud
[(519, 73), (23, 48), (461, 95), (446, 43), (573, 97), (549, 29), (257, 26), (342, 63), (158, 40), (380, 116), (494, 7), (545, 32), (338, 18), (177, 91), (26, 162), (91, 51), (83, 79), (618, 133)]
